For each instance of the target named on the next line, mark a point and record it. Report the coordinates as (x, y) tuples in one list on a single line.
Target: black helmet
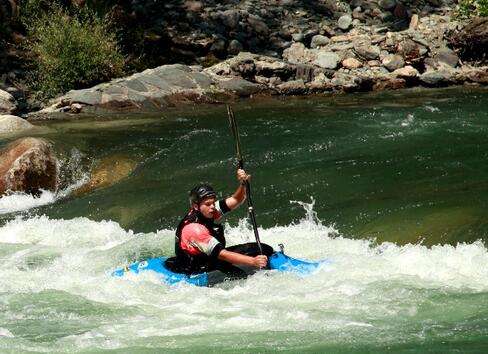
[(201, 192)]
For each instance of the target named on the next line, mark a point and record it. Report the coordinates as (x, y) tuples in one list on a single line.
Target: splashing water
[(57, 292)]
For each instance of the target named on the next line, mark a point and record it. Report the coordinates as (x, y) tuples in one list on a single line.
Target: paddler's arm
[(236, 258), (239, 195)]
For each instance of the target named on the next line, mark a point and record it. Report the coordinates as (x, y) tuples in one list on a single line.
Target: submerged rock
[(28, 165), (108, 172)]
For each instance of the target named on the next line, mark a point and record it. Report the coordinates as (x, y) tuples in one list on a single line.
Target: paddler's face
[(207, 207)]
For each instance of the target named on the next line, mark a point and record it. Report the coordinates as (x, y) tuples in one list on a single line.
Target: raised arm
[(239, 195)]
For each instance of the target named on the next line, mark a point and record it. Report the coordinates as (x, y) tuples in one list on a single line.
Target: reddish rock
[(406, 72), (389, 83), (351, 63), (478, 75), (409, 50), (414, 22), (28, 165)]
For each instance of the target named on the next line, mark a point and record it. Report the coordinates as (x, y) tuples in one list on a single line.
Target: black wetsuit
[(217, 270)]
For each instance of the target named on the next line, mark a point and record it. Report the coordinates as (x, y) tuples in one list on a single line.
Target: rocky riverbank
[(287, 47), (363, 58)]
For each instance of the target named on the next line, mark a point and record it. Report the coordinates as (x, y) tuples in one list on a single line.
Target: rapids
[(391, 188)]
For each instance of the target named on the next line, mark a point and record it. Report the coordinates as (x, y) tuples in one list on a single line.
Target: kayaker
[(200, 242)]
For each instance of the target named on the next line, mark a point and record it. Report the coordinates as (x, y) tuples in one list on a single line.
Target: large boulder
[(7, 103), (28, 165), (13, 124)]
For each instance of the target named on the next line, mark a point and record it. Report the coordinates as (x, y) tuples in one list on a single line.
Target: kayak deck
[(277, 261)]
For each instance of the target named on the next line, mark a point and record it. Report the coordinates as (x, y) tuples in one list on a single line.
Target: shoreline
[(337, 99), (351, 50)]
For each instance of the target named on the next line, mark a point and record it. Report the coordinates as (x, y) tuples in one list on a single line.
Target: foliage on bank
[(471, 8), (71, 49)]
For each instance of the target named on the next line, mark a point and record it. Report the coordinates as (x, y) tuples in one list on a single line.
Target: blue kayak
[(277, 261)]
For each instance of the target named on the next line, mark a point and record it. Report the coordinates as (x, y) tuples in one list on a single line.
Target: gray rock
[(240, 87), (294, 87), (327, 60), (366, 51), (344, 22), (28, 165), (393, 62), (7, 103), (235, 47), (258, 24), (136, 85), (230, 18), (13, 124), (447, 56), (218, 46), (298, 37), (86, 96), (357, 13), (374, 63), (319, 41), (436, 77), (344, 82), (308, 35), (387, 4), (295, 54)]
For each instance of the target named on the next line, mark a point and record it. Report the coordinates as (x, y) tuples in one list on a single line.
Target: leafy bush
[(71, 50), (470, 8)]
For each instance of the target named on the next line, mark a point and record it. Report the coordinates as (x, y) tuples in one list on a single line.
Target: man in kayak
[(200, 242)]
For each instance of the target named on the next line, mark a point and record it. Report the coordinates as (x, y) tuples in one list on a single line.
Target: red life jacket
[(191, 264)]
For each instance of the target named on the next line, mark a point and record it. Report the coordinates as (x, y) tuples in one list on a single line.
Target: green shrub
[(470, 8), (71, 51)]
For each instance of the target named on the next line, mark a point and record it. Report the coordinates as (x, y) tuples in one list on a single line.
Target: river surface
[(392, 188)]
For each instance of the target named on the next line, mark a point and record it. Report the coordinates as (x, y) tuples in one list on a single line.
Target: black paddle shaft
[(240, 164)]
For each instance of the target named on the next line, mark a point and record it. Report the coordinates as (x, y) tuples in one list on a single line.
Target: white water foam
[(21, 201), (360, 295)]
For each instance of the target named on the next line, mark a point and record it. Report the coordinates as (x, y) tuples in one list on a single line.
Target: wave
[(65, 265)]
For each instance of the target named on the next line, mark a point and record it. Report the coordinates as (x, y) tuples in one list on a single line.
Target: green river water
[(391, 187)]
